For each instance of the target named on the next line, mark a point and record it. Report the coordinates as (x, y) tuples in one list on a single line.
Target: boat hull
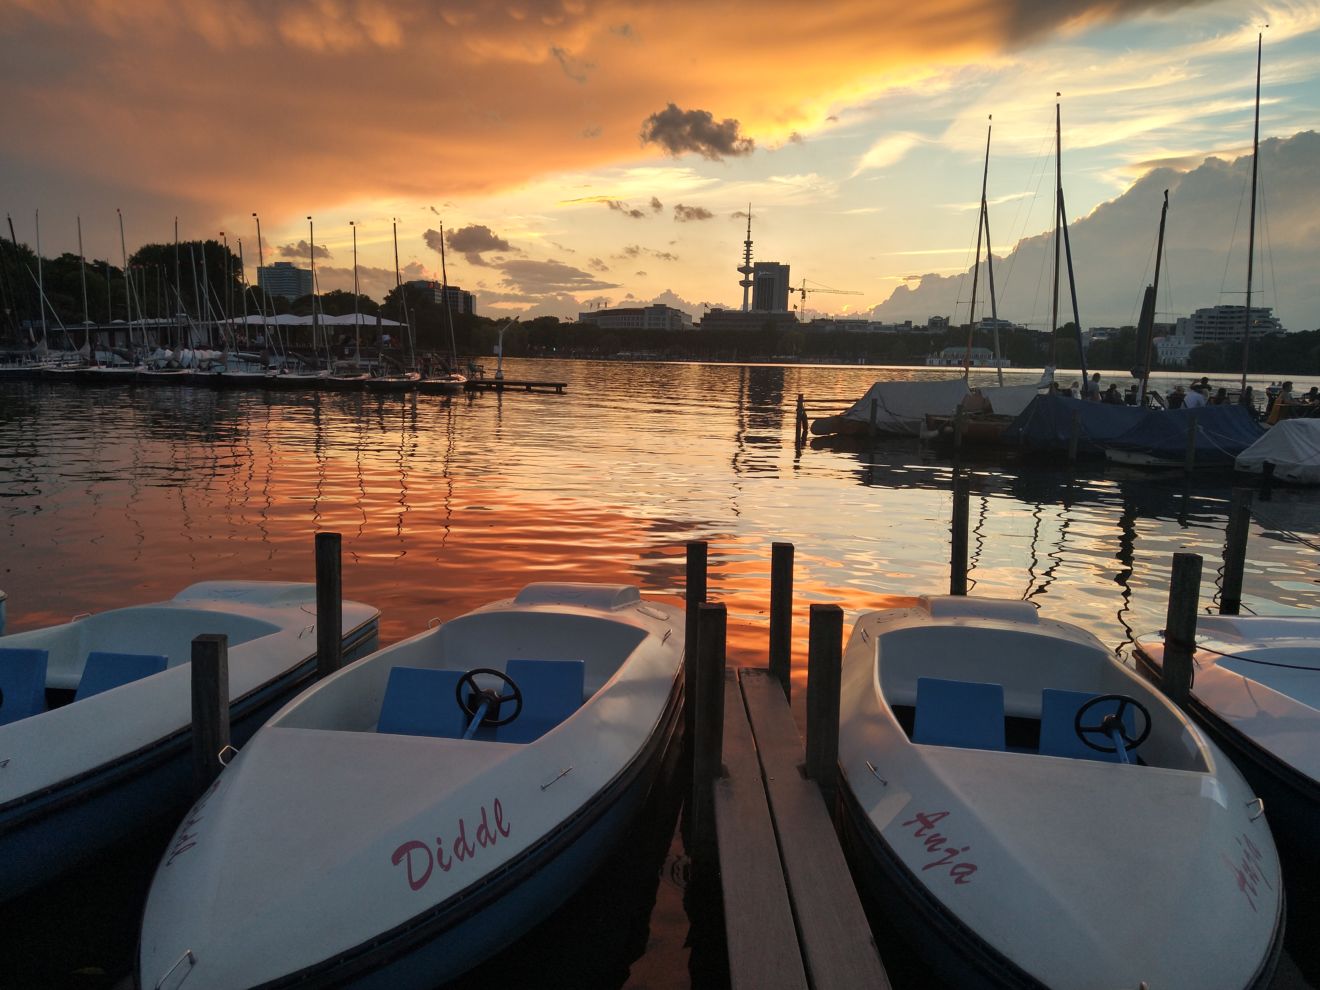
[(460, 933), (49, 831)]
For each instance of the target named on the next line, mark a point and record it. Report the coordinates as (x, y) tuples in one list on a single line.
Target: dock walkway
[(793, 919), (500, 384)]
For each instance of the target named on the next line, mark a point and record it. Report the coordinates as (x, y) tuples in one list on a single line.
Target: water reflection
[(114, 496)]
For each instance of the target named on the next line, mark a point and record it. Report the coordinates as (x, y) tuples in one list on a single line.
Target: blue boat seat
[(22, 683), (106, 670), (967, 714), (422, 701), (1058, 714), (552, 691)]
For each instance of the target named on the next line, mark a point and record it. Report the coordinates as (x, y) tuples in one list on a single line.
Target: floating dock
[(501, 384)]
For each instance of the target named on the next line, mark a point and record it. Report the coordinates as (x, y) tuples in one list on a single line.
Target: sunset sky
[(582, 153)]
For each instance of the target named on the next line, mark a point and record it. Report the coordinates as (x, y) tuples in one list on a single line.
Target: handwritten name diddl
[(419, 861), (943, 850)]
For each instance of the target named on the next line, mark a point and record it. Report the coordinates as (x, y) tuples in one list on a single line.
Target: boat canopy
[(1292, 446)]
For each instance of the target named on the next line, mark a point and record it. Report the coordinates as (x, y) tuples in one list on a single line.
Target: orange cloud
[(302, 105)]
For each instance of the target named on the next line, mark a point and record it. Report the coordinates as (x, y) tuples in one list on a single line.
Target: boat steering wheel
[(475, 696), (1112, 723)]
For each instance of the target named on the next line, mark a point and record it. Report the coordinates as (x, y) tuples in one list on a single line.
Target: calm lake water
[(121, 496)]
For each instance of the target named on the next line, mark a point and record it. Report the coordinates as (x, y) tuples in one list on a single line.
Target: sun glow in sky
[(582, 153)]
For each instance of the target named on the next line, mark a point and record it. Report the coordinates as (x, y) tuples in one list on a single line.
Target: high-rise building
[(1217, 324), (769, 287), (284, 278), (459, 301)]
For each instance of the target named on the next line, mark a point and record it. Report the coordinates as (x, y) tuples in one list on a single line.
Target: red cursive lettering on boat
[(944, 853), (1246, 870), (420, 862)]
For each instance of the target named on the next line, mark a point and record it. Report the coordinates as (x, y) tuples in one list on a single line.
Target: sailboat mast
[(976, 265), (1058, 211), (41, 285), (1251, 234), (1062, 221), (311, 257), (994, 308), (87, 320), (449, 313), (357, 328), (1148, 311), (128, 299)]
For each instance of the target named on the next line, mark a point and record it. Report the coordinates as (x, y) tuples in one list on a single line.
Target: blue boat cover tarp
[(1222, 432)]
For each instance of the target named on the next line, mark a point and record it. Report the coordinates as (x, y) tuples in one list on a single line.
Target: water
[(119, 496)]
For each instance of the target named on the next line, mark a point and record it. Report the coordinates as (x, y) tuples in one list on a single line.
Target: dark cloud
[(538, 278), (620, 206), (679, 131), (637, 251), (597, 265), (630, 251), (656, 205), (738, 215), (575, 68), (595, 131), (686, 214), (299, 250), (471, 241), (796, 138), (664, 255), (640, 274)]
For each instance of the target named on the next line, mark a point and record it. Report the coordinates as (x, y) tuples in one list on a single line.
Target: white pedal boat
[(358, 840), (1014, 853), (91, 753), (1256, 692)]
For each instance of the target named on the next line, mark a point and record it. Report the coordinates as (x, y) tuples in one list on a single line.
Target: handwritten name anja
[(943, 851), (420, 862)]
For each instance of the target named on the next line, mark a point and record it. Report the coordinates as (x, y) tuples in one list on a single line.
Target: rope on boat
[(1273, 524), (1255, 660)]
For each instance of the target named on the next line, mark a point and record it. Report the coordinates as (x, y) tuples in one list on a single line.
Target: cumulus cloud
[(686, 214), (471, 241), (619, 206), (679, 131), (299, 250), (539, 278)]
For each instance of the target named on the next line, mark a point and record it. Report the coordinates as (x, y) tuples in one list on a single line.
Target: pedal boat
[(1032, 813), (95, 714), (1256, 693), (407, 817)]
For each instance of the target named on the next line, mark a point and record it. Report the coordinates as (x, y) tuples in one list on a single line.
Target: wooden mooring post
[(800, 421), (1189, 460), (210, 708), (1075, 436), (329, 605), (958, 534), (708, 729), (1267, 481), (1235, 551), (694, 594), (781, 615), (1180, 626), (875, 418), (824, 670)]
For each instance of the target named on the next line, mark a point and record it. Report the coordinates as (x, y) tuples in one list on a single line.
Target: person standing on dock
[(1092, 389)]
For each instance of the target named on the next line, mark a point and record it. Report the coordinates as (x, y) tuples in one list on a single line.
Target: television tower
[(746, 268)]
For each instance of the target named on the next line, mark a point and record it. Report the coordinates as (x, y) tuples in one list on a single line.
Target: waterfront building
[(653, 317), (1219, 324), (284, 278), (734, 319), (459, 302), (954, 357), (769, 287)]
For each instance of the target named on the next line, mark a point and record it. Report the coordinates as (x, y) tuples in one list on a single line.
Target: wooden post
[(1189, 461), (958, 540), (210, 707), (329, 605), (801, 418), (781, 615), (875, 417), (959, 420), (708, 726), (1235, 551), (824, 670), (1180, 626), (695, 594), (1266, 481), (1075, 435)]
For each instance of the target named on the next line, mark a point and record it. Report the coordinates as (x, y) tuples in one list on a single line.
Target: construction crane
[(804, 289)]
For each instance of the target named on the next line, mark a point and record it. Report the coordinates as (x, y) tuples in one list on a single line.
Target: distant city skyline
[(605, 153)]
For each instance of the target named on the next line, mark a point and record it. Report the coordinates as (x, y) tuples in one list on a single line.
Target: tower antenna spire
[(746, 268)]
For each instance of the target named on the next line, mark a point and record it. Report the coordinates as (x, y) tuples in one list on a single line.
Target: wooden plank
[(837, 945), (759, 930)]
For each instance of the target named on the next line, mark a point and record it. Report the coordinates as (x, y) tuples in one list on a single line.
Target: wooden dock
[(501, 384), (792, 916)]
